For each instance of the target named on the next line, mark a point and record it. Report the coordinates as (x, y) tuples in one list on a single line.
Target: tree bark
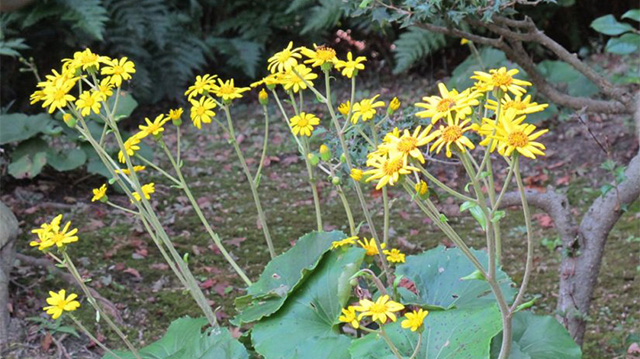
[(8, 235)]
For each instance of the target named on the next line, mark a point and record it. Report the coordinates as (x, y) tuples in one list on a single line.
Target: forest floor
[(126, 268)]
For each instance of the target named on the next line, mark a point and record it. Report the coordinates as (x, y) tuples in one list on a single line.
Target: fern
[(413, 45), (87, 15), (323, 16)]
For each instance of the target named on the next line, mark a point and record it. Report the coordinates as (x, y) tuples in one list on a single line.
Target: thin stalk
[(286, 118), (504, 188), (163, 172), (352, 98), (385, 194), (443, 186), (178, 132), (254, 190), (264, 145), (164, 253), (347, 209), (122, 208), (527, 221), (390, 343), (417, 349), (312, 182), (95, 340)]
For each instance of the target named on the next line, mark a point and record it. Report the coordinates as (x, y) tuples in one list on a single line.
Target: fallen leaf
[(544, 220), (134, 272)]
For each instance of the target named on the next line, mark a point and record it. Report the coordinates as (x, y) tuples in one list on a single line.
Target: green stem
[(312, 182), (443, 186), (95, 340), (347, 209), (504, 188), (417, 349), (122, 208), (385, 195), (390, 343), (254, 190), (527, 221), (264, 145), (163, 172)]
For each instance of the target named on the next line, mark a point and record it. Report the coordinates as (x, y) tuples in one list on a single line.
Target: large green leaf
[(19, 127), (67, 159), (623, 45), (453, 334), (282, 275), (608, 25), (305, 327), (538, 337), (28, 166), (437, 272), (186, 340), (633, 14)]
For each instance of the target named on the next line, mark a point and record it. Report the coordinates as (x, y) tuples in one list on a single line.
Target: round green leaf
[(67, 159), (633, 14), (28, 166), (19, 127), (305, 327), (623, 45), (608, 25), (437, 275)]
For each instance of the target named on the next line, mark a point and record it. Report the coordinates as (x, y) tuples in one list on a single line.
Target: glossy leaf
[(608, 25)]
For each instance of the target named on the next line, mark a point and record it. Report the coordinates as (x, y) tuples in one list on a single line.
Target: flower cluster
[(380, 310), (53, 234), (371, 249)]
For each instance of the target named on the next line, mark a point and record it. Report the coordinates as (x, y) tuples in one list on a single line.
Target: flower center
[(516, 105), (118, 70), (518, 139), (452, 133), (392, 166), (501, 79), (407, 144), (284, 55), (325, 53), (378, 308), (57, 238), (303, 122), (59, 94), (365, 106), (445, 104), (227, 89), (89, 59), (200, 111)]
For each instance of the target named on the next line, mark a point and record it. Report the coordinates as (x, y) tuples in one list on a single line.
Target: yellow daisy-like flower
[(448, 103), (50, 234), (379, 310), (56, 95), (85, 60), (344, 242), (516, 105), (502, 79), (349, 316), (451, 134), (105, 89), (366, 109), (319, 55), (60, 302), (394, 105), (154, 128), (350, 67), (284, 60), (293, 79), (131, 146), (126, 171), (370, 246), (202, 111), (303, 124), (202, 84), (415, 319), (512, 135), (119, 70), (270, 81), (421, 188), (408, 144), (147, 190), (388, 169), (88, 102), (344, 108), (356, 174), (394, 255), (175, 115), (99, 193), (227, 90)]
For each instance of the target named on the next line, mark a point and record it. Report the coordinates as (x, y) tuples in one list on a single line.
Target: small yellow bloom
[(408, 144), (394, 255), (135, 169), (370, 246), (50, 234), (349, 316), (176, 114), (451, 134), (298, 78), (379, 310), (203, 84), (421, 188), (502, 79), (344, 242), (366, 109), (319, 56), (356, 174), (131, 146), (227, 90), (303, 124), (147, 190), (388, 169), (263, 97), (415, 319), (99, 193), (516, 105), (85, 60), (119, 70), (464, 41), (202, 111), (60, 302), (512, 135), (284, 60), (449, 102), (350, 67), (88, 102), (270, 81), (154, 128), (105, 89), (344, 108), (394, 105)]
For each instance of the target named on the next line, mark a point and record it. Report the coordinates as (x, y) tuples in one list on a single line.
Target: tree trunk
[(8, 234)]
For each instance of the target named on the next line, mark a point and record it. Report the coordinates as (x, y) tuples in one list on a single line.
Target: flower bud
[(344, 108), (263, 97), (325, 153), (336, 181), (313, 159), (343, 158), (394, 105), (356, 174), (69, 120), (422, 188)]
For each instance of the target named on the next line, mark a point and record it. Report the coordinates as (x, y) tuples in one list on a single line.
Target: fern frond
[(323, 16), (87, 15), (413, 45)]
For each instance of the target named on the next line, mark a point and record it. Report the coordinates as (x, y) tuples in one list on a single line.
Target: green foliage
[(414, 45), (18, 127), (185, 339), (628, 37)]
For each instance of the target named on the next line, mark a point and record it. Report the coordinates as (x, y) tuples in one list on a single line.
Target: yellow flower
[(394, 105), (60, 302), (303, 124), (503, 80), (379, 310), (135, 169), (453, 133), (89, 101), (56, 95), (284, 60), (344, 242), (421, 188), (119, 70), (319, 56), (443, 106), (356, 174), (349, 316), (270, 81), (293, 79), (50, 234), (175, 115), (99, 193), (388, 169), (366, 109), (227, 90), (512, 135), (344, 108), (202, 84), (516, 105), (105, 89), (263, 97), (414, 319), (85, 60), (408, 144), (350, 67), (154, 128), (370, 246), (130, 146), (147, 190), (464, 41), (394, 256), (201, 111)]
